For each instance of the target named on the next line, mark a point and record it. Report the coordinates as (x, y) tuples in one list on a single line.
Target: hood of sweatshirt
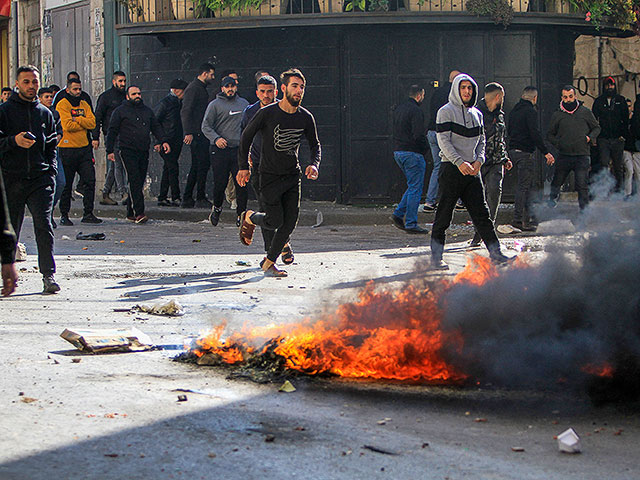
[(454, 93)]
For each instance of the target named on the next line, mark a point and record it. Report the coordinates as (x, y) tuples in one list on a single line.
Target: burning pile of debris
[(391, 335)]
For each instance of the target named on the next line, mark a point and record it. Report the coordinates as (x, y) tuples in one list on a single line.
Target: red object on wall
[(5, 8)]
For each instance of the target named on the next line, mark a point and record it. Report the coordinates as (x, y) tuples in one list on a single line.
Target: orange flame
[(384, 335), (604, 370)]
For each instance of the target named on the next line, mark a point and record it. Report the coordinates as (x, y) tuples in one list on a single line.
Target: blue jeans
[(413, 166), (432, 191), (60, 181)]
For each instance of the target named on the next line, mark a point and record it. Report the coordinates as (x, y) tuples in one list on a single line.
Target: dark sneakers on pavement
[(91, 218), (164, 203), (438, 264), (416, 229), (141, 219), (50, 285), (499, 259), (107, 200), (397, 222), (214, 216), (64, 220)]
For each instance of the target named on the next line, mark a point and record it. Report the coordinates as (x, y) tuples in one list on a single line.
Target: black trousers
[(267, 235), (136, 163), (611, 156), (524, 164), (469, 189), (580, 166), (80, 161), (197, 177), (491, 175), (224, 161), (171, 172), (280, 196), (37, 195)]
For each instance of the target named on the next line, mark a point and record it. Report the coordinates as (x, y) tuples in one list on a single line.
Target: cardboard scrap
[(108, 340), (171, 308)]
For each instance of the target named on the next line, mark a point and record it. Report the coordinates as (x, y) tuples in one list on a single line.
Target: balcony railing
[(136, 11)]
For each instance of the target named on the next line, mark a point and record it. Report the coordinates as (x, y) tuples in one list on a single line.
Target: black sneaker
[(214, 216), (397, 222), (203, 203), (460, 207), (529, 227), (50, 285), (91, 218), (175, 202), (188, 203), (428, 208), (64, 220), (417, 230), (439, 264), (164, 203), (499, 259)]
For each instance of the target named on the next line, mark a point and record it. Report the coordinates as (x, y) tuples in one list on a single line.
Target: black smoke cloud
[(543, 324)]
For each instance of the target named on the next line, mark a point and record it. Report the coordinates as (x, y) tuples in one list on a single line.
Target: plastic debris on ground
[(569, 441), (171, 309)]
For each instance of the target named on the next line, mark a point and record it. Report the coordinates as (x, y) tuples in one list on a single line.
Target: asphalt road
[(117, 416)]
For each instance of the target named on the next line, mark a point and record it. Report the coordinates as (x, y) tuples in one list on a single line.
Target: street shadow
[(400, 277), (151, 288), (402, 255)]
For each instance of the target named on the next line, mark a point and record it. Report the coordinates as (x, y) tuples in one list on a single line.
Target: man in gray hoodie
[(460, 134), (221, 125)]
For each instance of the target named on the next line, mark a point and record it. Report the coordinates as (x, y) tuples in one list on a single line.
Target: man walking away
[(130, 125), (612, 113), (7, 246), (221, 126), (194, 104), (77, 120), (28, 160), (571, 130), (282, 124), (410, 144), (45, 95), (108, 101), (462, 143), (439, 97), (524, 138), (495, 151), (168, 114), (631, 158)]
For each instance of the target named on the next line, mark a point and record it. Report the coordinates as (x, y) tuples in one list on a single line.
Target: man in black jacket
[(194, 104), (410, 145), (611, 111), (439, 97), (29, 166), (571, 130), (131, 124), (7, 246), (108, 101), (168, 114), (524, 138)]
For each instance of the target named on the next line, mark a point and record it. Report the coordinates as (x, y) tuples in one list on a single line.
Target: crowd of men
[(48, 135), (472, 145)]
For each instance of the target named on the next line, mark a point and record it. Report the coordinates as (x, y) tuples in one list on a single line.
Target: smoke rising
[(544, 324)]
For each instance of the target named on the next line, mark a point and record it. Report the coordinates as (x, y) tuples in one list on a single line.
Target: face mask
[(570, 105), (610, 92)]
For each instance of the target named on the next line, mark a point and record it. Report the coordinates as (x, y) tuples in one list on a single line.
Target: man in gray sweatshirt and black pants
[(221, 125), (460, 134)]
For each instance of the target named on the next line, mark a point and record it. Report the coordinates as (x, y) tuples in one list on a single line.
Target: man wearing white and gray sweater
[(460, 134), (221, 125)]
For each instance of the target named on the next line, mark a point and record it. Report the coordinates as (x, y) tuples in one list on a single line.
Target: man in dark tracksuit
[(221, 126), (29, 166), (194, 104), (524, 138), (495, 151), (131, 124), (612, 113), (409, 147), (571, 130), (461, 141), (168, 114), (7, 246), (107, 102), (266, 90), (283, 124)]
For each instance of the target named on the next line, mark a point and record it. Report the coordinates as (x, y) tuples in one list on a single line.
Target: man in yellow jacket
[(76, 117)]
